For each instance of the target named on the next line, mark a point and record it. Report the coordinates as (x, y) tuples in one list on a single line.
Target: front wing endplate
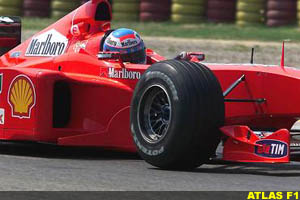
[(243, 145)]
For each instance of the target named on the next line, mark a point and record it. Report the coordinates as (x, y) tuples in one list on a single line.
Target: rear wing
[(10, 33)]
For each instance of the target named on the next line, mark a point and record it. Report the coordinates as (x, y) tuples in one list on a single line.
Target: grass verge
[(201, 30)]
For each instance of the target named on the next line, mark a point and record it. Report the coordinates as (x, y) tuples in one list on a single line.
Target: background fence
[(241, 12)]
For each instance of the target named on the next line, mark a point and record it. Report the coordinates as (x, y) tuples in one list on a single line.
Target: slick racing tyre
[(176, 111)]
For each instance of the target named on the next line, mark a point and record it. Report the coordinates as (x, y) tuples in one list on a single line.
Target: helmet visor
[(138, 57)]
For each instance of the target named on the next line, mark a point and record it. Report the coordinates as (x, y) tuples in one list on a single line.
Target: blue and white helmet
[(128, 43)]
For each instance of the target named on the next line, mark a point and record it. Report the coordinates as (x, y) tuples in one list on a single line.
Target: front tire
[(177, 109)]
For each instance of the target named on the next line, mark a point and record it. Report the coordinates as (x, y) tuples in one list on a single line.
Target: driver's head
[(128, 43)]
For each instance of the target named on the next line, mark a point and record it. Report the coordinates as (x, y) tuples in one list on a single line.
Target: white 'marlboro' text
[(124, 74), (50, 43)]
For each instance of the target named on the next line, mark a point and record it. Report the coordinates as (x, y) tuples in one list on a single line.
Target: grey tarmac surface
[(49, 168)]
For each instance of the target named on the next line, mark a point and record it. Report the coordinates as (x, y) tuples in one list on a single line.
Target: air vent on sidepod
[(61, 104)]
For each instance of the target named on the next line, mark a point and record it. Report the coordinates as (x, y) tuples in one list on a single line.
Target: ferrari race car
[(60, 87)]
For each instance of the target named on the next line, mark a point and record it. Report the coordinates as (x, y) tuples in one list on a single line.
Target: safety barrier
[(126, 10), (84, 1), (250, 12), (280, 13), (243, 12), (221, 11), (36, 8), (298, 12), (188, 11), (155, 10), (60, 8), (11, 7)]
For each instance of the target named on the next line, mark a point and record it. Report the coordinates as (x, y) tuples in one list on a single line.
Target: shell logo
[(21, 96)]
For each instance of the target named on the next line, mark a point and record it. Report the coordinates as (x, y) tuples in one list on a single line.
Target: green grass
[(36, 23), (201, 30)]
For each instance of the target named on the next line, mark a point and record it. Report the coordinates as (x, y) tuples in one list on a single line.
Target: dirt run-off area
[(223, 51)]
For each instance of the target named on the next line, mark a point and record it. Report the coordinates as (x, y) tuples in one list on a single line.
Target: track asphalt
[(51, 168)]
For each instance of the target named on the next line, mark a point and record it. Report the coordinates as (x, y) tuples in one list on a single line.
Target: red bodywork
[(100, 91)]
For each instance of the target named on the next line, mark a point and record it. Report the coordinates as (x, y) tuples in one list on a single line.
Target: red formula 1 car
[(59, 87)]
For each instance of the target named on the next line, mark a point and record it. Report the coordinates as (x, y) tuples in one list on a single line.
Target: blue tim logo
[(271, 149)]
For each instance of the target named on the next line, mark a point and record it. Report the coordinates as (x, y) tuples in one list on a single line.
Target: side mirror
[(196, 55), (110, 56), (191, 56)]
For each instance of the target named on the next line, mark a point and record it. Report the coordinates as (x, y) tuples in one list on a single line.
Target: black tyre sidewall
[(160, 151), (197, 106)]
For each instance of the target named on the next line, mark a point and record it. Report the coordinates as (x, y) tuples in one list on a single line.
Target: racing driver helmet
[(128, 43)]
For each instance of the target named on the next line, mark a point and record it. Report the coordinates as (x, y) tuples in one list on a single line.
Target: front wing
[(244, 145)]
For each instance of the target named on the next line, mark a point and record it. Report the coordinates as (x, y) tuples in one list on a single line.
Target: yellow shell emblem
[(21, 96)]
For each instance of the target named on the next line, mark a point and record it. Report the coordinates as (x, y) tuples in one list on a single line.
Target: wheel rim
[(154, 114)]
